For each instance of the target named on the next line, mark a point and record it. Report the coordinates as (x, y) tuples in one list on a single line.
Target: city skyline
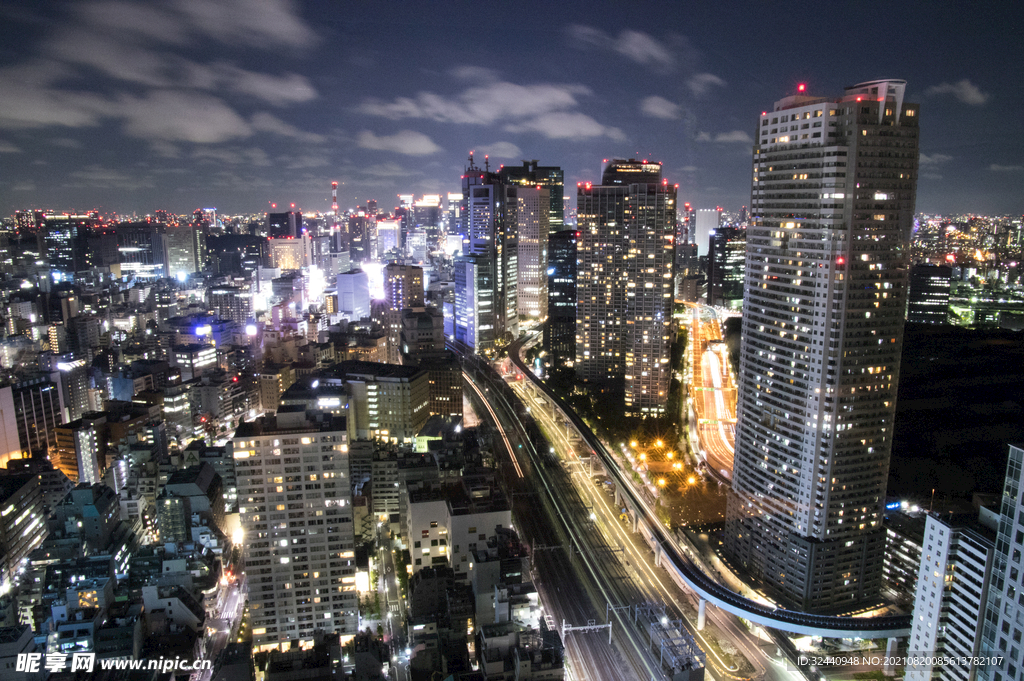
[(134, 107)]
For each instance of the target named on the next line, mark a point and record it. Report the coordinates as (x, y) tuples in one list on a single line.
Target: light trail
[(497, 423), (609, 516)]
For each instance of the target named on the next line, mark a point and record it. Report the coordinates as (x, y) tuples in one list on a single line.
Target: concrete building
[(949, 605), (823, 315), (1003, 622), (560, 331), (385, 400), (22, 522), (354, 295), (295, 507)]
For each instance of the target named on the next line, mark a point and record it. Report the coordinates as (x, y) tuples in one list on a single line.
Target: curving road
[(712, 392), (673, 559)]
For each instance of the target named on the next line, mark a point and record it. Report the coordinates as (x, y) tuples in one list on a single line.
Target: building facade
[(822, 334), (949, 605), (928, 301), (727, 253), (1003, 625), (625, 253), (295, 507), (560, 331), (532, 216)]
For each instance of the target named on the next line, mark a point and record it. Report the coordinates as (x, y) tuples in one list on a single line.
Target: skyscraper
[(726, 258), (624, 282), (532, 215), (550, 177), (560, 331), (486, 277), (284, 225), (823, 311), (403, 287)]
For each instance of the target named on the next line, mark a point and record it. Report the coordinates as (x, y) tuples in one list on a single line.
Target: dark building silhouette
[(726, 256), (928, 300), (560, 332)]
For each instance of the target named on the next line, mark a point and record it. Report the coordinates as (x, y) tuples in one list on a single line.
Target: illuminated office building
[(486, 278), (832, 202), (532, 215), (727, 254), (625, 253), (929, 294), (552, 178)]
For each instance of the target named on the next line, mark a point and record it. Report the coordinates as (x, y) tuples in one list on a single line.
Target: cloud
[(964, 90), (265, 122), (66, 143), (689, 169), (305, 161), (279, 90), (934, 159), (26, 186), (931, 176), (500, 150), (176, 116), (996, 168), (407, 142), (107, 178), (659, 107), (547, 108), (483, 104), (733, 137), (386, 170), (567, 125), (237, 156), (634, 45), (702, 83), (261, 22), (8, 148), (477, 73), (32, 101)]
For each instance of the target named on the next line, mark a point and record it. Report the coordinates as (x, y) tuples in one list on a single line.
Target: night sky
[(179, 104)]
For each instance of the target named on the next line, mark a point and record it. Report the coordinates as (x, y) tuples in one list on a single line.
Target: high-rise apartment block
[(625, 252), (295, 506), (834, 183), (949, 604), (1003, 624)]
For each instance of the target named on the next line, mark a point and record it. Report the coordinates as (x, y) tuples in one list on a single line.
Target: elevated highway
[(685, 571)]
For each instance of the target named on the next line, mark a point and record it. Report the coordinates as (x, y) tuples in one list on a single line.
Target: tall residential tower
[(626, 228), (834, 183)]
